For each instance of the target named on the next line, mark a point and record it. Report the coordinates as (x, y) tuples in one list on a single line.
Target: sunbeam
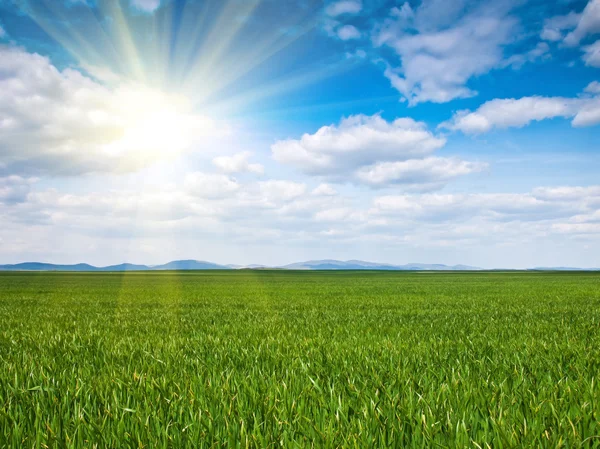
[(189, 48)]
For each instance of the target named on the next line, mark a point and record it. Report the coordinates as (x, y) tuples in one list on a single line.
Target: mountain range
[(202, 265), (174, 265), (326, 264), (362, 265)]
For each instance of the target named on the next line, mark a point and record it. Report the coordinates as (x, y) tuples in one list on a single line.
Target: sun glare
[(153, 124)]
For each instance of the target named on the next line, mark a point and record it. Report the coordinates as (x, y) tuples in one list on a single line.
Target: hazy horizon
[(352, 262)]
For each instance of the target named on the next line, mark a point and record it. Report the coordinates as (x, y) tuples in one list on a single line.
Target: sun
[(152, 124)]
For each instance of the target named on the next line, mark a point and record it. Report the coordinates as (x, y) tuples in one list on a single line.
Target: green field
[(299, 359)]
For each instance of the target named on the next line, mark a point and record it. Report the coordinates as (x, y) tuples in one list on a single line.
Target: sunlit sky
[(270, 132)]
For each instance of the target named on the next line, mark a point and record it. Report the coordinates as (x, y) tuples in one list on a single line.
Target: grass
[(299, 359)]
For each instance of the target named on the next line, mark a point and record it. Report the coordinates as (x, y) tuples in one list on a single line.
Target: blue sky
[(260, 131)]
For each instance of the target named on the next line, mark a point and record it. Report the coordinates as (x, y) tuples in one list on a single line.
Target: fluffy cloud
[(555, 27), (592, 54), (588, 24), (593, 87), (427, 174), (348, 32), (14, 189), (540, 52), (505, 113), (371, 151), (332, 24), (324, 190), (238, 163), (2, 32), (343, 7), (588, 113), (276, 190), (516, 113), (208, 185), (438, 59), (336, 215), (61, 122), (357, 141), (581, 25)]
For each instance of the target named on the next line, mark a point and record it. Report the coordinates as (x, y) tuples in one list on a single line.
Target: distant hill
[(38, 266), (125, 267), (190, 265), (563, 269), (247, 267), (174, 265), (362, 265), (325, 264)]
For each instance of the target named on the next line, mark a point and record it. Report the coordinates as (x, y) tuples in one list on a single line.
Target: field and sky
[(299, 359), (294, 137)]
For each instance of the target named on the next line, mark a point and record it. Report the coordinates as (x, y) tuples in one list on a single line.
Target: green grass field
[(299, 359)]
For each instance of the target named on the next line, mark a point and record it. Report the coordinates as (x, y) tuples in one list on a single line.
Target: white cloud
[(427, 174), (2, 32), (195, 216), (334, 215), (348, 32), (577, 228), (421, 207), (433, 14), (208, 185), (14, 189), (336, 29), (205, 196), (359, 54), (550, 34), (343, 7), (148, 6), (589, 24), (593, 87), (588, 114), (541, 204), (505, 113), (238, 163), (324, 190), (61, 122), (540, 52), (516, 113), (371, 151), (291, 201), (261, 213), (277, 190), (566, 193), (582, 25), (357, 141), (592, 54), (554, 27), (437, 58)]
